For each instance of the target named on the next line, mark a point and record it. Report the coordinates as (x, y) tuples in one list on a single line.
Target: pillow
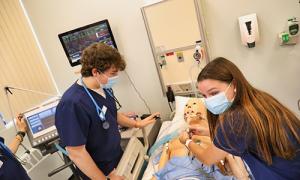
[(180, 103)]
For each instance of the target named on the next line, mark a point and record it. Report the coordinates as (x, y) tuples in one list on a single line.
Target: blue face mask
[(110, 82), (219, 103)]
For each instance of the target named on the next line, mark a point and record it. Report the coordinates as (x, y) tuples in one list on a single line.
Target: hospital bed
[(170, 130), (135, 153)]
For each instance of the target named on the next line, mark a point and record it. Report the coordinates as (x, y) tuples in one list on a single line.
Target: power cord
[(60, 156), (25, 148), (137, 92), (193, 83)]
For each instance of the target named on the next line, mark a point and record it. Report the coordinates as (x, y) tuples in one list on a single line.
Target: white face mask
[(100, 85), (218, 103), (110, 82)]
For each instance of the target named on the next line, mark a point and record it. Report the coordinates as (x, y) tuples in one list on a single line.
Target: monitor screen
[(41, 121), (76, 40)]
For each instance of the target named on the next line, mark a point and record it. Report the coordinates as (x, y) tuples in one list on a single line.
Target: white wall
[(181, 72), (174, 25), (268, 66), (169, 22), (51, 17)]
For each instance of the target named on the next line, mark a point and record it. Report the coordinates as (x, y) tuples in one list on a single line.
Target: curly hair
[(101, 57)]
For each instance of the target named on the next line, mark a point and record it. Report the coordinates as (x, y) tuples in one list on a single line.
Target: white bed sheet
[(150, 168), (167, 127)]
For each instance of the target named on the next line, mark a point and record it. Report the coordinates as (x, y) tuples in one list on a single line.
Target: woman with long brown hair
[(247, 122)]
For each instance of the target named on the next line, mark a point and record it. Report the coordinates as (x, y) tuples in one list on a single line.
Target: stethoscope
[(100, 111), (110, 92)]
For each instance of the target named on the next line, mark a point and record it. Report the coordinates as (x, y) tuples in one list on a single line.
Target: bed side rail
[(132, 160)]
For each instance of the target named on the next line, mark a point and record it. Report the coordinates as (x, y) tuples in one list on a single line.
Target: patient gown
[(179, 168)]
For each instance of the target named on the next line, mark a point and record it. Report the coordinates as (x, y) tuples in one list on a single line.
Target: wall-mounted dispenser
[(249, 30), (291, 34)]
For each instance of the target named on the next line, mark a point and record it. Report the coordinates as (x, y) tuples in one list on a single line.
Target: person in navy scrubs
[(87, 119), (10, 167), (246, 122)]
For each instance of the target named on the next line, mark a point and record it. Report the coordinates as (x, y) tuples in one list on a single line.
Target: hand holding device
[(20, 122), (200, 129), (148, 120), (184, 136)]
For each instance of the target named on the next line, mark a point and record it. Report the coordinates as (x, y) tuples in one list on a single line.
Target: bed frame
[(133, 158)]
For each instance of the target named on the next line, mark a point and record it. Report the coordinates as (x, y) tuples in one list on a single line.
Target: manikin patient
[(176, 162)]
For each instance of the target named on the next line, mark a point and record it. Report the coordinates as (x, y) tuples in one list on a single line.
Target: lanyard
[(100, 112), (5, 150)]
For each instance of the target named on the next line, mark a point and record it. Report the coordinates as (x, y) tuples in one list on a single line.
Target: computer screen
[(41, 121), (76, 40)]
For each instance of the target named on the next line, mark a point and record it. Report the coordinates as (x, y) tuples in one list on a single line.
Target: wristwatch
[(187, 142), (21, 133)]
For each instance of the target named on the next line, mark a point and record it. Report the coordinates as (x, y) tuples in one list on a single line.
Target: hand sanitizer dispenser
[(249, 30), (293, 25), (290, 35)]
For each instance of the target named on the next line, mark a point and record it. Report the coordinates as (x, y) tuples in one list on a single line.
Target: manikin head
[(194, 111)]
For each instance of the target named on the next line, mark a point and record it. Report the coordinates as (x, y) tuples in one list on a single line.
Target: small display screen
[(75, 41), (42, 121)]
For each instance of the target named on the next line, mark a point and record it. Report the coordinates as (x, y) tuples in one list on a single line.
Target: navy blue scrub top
[(245, 147), (78, 123), (11, 168)]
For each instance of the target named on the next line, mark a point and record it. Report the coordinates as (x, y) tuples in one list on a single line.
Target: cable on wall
[(137, 92)]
